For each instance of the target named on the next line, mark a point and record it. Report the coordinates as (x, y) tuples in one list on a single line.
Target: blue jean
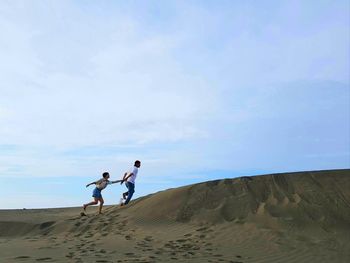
[(131, 191)]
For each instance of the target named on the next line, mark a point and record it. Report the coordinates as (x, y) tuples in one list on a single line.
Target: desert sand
[(290, 217)]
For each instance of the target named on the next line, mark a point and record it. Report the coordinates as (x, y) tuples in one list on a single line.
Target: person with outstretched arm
[(129, 179), (96, 194)]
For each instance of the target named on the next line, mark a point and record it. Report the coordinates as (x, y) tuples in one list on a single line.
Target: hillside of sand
[(290, 217)]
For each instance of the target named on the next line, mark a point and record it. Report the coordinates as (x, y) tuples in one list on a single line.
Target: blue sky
[(197, 90)]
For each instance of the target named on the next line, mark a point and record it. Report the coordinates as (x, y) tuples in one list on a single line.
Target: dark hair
[(137, 162), (105, 174)]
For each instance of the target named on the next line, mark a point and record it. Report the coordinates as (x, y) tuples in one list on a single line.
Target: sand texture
[(290, 217)]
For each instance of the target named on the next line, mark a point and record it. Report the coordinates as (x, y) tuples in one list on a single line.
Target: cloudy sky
[(197, 90)]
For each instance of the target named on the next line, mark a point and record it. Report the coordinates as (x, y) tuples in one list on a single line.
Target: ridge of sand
[(320, 197), (290, 217)]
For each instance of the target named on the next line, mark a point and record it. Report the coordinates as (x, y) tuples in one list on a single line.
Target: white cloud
[(201, 88), (131, 88)]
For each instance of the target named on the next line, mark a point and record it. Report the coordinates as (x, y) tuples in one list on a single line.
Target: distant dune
[(289, 217)]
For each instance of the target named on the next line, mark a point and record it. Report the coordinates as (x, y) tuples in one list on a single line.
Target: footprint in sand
[(44, 259), (22, 257), (148, 238), (205, 230), (201, 229), (48, 247), (70, 255), (147, 249)]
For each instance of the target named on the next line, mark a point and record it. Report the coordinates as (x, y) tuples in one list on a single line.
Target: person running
[(96, 194), (129, 179)]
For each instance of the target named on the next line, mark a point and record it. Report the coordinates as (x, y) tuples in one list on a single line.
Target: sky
[(196, 90)]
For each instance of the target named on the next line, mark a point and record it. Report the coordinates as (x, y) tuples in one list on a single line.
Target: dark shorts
[(97, 193)]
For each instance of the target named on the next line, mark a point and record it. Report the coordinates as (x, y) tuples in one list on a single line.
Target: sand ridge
[(291, 217)]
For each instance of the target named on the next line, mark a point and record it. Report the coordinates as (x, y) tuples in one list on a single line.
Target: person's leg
[(91, 203), (131, 191), (101, 205), (125, 195)]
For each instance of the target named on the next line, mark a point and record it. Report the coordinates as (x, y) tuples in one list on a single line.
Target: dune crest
[(290, 217), (321, 197)]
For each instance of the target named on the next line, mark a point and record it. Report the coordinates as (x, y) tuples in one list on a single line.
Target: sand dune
[(290, 217)]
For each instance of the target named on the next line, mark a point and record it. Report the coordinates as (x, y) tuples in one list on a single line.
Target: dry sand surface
[(291, 217)]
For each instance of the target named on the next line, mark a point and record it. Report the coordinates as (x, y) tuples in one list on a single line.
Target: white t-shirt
[(134, 170)]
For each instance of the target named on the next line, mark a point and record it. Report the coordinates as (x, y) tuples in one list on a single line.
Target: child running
[(96, 194)]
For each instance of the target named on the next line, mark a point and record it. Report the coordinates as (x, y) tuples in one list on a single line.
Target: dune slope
[(321, 197), (290, 217)]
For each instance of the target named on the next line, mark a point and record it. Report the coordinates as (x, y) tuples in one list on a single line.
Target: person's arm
[(131, 174), (123, 178), (126, 177), (90, 184), (116, 181)]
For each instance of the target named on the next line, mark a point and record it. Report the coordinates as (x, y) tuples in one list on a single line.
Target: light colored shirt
[(102, 183), (134, 170)]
